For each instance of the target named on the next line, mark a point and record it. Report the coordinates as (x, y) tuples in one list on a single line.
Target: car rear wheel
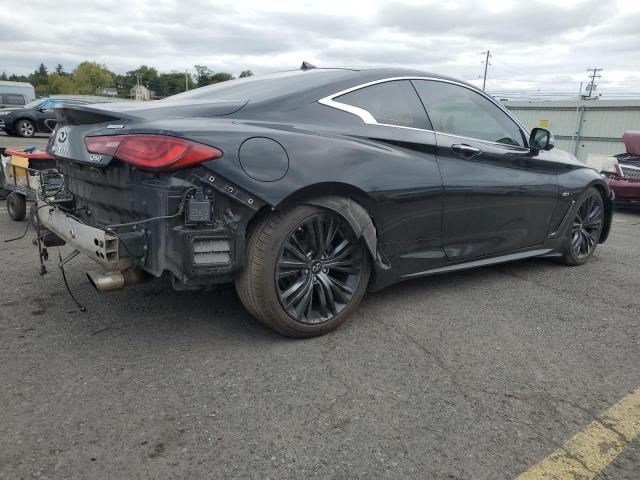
[(586, 228), (305, 273), (16, 206), (26, 128)]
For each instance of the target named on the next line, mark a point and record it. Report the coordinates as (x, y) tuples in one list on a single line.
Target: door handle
[(466, 150)]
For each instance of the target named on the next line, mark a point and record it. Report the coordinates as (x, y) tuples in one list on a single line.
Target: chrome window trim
[(369, 119)]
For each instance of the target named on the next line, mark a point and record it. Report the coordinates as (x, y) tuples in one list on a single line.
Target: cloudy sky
[(536, 45)]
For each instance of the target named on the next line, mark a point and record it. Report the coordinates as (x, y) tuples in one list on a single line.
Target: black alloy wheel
[(305, 271), (586, 228), (318, 269)]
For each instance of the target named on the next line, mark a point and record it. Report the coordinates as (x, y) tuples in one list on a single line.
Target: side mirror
[(541, 139), (42, 110)]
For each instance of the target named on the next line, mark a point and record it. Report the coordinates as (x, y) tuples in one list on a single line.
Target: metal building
[(581, 126)]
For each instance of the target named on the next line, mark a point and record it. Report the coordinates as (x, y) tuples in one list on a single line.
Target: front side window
[(391, 103), (48, 105), (460, 111)]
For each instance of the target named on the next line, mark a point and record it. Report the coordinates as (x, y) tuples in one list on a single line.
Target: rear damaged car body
[(154, 207), (155, 221)]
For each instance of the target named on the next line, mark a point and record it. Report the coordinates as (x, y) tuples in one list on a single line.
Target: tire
[(25, 128), (16, 206), (584, 231), (310, 297)]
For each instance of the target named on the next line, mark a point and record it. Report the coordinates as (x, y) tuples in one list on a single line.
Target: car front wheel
[(305, 273), (586, 228)]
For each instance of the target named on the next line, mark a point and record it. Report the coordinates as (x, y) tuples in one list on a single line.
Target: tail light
[(152, 152)]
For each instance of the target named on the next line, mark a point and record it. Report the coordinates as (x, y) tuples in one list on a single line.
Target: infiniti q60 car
[(307, 188)]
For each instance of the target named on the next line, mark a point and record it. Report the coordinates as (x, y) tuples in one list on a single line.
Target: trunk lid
[(75, 122), (138, 111)]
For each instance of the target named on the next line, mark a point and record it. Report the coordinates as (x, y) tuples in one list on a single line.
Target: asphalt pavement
[(39, 140), (472, 375)]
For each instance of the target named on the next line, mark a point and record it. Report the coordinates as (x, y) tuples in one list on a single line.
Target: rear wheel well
[(325, 190), (318, 190)]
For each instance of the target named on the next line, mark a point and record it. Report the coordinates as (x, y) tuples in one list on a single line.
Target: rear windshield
[(264, 87)]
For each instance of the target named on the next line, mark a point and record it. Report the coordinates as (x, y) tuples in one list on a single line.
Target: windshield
[(263, 87), (35, 103)]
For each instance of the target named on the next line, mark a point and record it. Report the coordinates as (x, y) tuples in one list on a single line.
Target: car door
[(406, 184), (499, 196), (45, 115)]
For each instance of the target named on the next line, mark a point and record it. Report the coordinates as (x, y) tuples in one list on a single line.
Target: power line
[(591, 87)]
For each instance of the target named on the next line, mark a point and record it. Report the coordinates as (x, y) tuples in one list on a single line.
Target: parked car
[(626, 180), (35, 117), (308, 188)]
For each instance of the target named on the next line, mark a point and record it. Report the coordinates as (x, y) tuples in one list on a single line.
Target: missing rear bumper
[(97, 244)]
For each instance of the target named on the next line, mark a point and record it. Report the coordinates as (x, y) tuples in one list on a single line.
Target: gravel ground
[(472, 375)]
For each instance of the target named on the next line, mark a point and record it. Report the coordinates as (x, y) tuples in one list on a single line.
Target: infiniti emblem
[(62, 136)]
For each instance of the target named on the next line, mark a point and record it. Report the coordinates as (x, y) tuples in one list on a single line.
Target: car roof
[(313, 82)]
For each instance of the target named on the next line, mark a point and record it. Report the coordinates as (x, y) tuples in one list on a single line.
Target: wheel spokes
[(318, 269), (294, 292), (586, 227), (327, 293), (291, 264), (295, 249)]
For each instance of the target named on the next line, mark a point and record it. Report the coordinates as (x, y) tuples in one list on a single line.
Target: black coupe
[(306, 188)]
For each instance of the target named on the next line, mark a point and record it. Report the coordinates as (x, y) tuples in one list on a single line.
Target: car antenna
[(307, 66)]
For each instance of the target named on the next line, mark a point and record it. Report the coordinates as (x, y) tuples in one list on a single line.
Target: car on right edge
[(626, 180)]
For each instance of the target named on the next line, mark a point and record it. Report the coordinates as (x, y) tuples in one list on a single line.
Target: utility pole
[(486, 65), (593, 77), (186, 81)]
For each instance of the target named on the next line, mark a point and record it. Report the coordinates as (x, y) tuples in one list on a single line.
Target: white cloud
[(534, 43)]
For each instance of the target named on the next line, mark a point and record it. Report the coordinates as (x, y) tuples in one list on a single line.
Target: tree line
[(91, 78)]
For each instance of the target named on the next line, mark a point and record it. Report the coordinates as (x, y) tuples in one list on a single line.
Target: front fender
[(609, 202)]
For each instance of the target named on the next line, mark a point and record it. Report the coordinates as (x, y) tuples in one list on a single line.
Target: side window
[(392, 103), (12, 99), (460, 111), (49, 104)]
